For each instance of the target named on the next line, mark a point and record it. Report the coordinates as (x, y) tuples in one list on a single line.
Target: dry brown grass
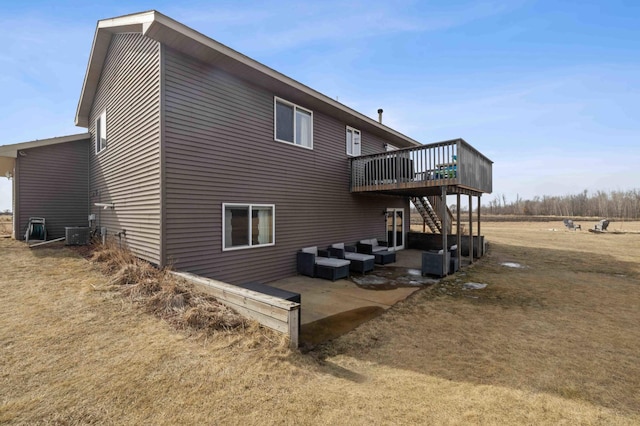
[(163, 294), (5, 225), (556, 342)]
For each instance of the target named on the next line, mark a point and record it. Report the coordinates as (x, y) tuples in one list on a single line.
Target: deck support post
[(445, 247), (480, 251), (458, 236), (470, 229)]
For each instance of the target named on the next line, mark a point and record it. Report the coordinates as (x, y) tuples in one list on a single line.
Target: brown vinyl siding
[(127, 172), (52, 183), (219, 148)]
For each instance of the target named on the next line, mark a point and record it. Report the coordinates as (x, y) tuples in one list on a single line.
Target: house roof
[(9, 152), (184, 39)]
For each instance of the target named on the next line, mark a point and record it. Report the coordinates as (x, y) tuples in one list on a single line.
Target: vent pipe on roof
[(380, 115)]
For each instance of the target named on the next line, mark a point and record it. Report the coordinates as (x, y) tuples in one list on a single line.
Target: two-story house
[(204, 159)]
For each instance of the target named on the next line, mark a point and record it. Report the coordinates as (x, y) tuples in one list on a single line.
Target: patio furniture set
[(336, 261)]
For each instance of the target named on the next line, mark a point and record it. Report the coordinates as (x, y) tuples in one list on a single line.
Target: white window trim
[(250, 206), (353, 130), (102, 118), (295, 106)]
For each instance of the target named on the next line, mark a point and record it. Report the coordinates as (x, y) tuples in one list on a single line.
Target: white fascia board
[(12, 150), (105, 28)]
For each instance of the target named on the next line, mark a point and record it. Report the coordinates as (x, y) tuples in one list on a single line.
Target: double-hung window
[(292, 124), (248, 225), (353, 142), (101, 132)]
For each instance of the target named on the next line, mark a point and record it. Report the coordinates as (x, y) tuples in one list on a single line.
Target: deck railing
[(444, 163)]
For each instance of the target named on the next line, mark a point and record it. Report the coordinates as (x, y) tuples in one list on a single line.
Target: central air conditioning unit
[(76, 235)]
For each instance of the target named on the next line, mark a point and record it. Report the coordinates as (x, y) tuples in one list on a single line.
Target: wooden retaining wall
[(273, 312)]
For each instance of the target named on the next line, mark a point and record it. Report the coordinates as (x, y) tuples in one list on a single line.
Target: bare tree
[(618, 204)]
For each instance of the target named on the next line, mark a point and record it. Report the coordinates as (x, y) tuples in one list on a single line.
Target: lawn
[(5, 225), (555, 341)]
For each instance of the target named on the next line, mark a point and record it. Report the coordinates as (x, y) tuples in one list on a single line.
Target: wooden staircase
[(430, 209)]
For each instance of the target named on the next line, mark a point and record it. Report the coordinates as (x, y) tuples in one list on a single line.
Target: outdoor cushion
[(311, 250), (338, 246), (331, 262), (358, 256)]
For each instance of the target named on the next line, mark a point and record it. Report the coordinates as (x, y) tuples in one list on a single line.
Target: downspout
[(16, 200), (162, 177)]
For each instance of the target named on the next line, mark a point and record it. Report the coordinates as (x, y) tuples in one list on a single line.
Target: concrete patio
[(330, 309)]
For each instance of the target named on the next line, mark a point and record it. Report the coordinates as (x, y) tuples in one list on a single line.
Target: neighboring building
[(206, 160)]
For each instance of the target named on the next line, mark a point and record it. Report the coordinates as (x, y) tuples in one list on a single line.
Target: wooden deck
[(424, 170)]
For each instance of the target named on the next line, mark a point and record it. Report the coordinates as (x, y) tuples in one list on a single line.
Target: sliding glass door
[(395, 229)]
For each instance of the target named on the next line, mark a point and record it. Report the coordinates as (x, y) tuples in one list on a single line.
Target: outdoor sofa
[(378, 249), (317, 263), (359, 262)]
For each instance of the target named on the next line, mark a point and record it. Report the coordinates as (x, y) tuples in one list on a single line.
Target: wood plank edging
[(273, 312)]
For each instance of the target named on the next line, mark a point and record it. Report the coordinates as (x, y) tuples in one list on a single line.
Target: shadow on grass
[(333, 326), (562, 321)]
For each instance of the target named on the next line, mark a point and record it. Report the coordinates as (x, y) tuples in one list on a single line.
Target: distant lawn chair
[(602, 225), (570, 225)]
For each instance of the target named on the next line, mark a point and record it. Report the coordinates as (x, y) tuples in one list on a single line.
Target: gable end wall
[(127, 173)]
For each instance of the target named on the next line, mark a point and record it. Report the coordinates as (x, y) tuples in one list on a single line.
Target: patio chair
[(432, 262), (454, 263), (602, 225), (570, 225), (317, 263), (359, 262)]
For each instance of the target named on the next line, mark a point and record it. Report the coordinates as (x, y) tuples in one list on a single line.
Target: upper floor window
[(101, 132), (293, 124), (353, 141)]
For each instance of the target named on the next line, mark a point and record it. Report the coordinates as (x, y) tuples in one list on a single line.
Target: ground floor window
[(248, 225)]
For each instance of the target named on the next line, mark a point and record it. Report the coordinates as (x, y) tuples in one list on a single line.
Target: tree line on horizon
[(613, 204)]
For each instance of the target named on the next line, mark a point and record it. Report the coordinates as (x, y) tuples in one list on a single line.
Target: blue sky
[(549, 90)]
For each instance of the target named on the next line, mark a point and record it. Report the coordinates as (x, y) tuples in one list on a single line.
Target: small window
[(248, 225), (293, 124), (101, 132), (353, 142)]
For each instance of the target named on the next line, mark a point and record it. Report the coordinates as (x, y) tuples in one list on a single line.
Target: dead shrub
[(164, 295)]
